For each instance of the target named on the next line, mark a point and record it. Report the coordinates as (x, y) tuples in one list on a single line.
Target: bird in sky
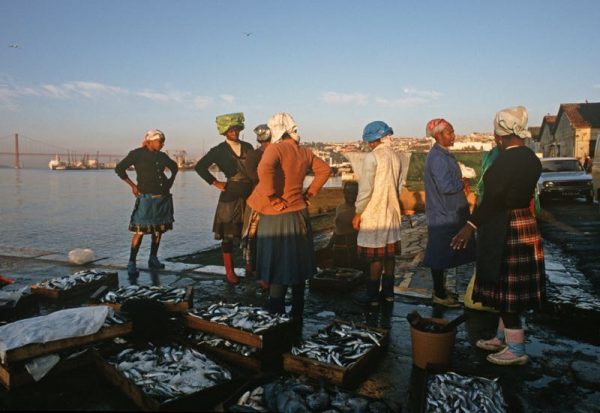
[(15, 46), (248, 34)]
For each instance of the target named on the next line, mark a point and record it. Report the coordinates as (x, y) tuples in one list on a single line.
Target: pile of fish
[(169, 372), (452, 392), (158, 293), (341, 344), (298, 395), (67, 282), (253, 319), (200, 338)]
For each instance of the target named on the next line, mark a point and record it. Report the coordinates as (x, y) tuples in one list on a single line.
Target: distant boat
[(56, 164)]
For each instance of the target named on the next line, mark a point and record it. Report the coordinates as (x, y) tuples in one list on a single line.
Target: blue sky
[(95, 75)]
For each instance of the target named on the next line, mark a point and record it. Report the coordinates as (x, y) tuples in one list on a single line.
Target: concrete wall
[(564, 137)]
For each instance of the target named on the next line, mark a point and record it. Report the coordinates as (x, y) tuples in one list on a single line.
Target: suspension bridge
[(16, 146)]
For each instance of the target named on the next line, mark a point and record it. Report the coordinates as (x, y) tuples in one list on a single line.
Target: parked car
[(564, 178), (595, 172)]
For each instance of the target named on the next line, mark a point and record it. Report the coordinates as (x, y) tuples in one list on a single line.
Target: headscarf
[(435, 127), (226, 122), (153, 135), (280, 124), (263, 133), (376, 130), (512, 121)]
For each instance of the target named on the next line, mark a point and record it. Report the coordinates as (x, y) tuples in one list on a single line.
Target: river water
[(57, 211)]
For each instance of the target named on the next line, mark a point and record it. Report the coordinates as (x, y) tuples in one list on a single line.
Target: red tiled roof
[(582, 115)]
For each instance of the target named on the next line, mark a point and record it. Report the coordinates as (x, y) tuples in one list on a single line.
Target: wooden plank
[(340, 376), (252, 363), (110, 279), (41, 349)]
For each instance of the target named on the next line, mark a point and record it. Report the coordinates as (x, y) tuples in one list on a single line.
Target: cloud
[(426, 94), (174, 96), (404, 102), (335, 98), (596, 86), (202, 102), (81, 88), (228, 99)]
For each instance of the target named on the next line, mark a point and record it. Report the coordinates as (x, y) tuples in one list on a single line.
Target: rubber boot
[(514, 353), (132, 270), (371, 298), (387, 288), (229, 272), (496, 343), (154, 263), (297, 303), (263, 285), (276, 305)]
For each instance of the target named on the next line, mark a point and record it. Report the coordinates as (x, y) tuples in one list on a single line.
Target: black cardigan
[(150, 170)]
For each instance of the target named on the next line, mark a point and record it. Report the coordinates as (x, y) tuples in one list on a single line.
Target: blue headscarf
[(376, 130)]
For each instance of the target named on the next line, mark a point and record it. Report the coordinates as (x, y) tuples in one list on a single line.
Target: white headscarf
[(280, 124), (154, 134), (512, 121)]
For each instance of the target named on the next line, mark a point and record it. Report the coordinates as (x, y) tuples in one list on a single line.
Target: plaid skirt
[(522, 283), (380, 253)]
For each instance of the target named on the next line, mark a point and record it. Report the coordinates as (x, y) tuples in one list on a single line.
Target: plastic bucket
[(432, 348)]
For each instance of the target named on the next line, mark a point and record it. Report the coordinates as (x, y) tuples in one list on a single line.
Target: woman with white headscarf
[(285, 251), (153, 211), (510, 258)]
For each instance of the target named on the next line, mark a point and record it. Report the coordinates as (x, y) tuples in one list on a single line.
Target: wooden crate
[(181, 307), (276, 339), (202, 400), (341, 376), (17, 375), (110, 279), (34, 350), (327, 280)]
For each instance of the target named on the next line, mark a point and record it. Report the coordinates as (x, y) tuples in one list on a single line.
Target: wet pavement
[(563, 340)]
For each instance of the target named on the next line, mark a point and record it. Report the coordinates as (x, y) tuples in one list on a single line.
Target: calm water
[(62, 210)]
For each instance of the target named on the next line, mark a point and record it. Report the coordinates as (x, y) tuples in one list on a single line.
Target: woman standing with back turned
[(285, 251), (510, 258), (153, 211)]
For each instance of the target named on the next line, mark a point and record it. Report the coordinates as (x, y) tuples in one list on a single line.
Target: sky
[(95, 75)]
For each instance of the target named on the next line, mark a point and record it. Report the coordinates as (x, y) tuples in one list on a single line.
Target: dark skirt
[(285, 251), (440, 255), (522, 282), (229, 219), (152, 214)]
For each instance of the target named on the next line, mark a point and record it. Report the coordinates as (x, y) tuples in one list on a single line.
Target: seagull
[(14, 46), (248, 34)]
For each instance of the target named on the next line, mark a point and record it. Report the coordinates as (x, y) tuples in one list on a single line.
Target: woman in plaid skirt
[(510, 258)]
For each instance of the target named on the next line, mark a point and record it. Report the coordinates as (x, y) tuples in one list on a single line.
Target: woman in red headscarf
[(446, 208)]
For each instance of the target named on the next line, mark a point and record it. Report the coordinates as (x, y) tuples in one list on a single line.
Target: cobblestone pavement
[(564, 374)]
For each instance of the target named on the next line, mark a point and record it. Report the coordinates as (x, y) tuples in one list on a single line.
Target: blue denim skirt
[(151, 214)]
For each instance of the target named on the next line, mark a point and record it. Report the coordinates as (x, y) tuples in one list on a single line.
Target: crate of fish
[(252, 326), (336, 279), (453, 392), (342, 353), (24, 372), (290, 393), (246, 357), (40, 336), (176, 299), (76, 284), (169, 376)]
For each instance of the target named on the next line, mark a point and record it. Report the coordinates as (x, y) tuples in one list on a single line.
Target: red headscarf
[(435, 126)]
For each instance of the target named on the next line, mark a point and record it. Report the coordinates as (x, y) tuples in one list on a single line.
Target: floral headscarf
[(280, 124), (436, 126), (512, 121)]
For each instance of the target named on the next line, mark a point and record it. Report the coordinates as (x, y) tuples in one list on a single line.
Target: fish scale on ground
[(169, 371), (248, 318)]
